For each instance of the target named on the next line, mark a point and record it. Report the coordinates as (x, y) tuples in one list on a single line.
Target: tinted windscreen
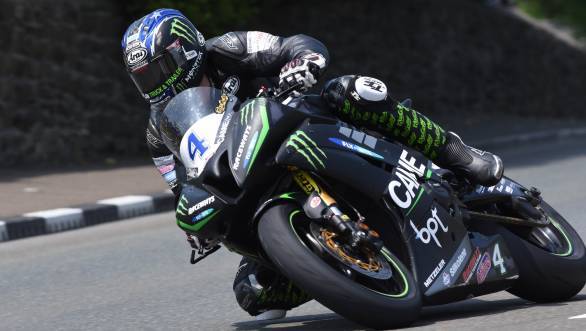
[(183, 111)]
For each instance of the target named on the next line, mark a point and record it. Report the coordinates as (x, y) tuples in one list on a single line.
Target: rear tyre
[(551, 260), (281, 230)]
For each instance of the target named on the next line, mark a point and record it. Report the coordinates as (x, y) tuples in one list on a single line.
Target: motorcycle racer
[(165, 54)]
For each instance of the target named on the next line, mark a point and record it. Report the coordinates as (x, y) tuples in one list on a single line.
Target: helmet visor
[(152, 75)]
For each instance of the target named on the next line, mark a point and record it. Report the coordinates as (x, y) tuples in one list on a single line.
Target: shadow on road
[(306, 322), (430, 315), (478, 307)]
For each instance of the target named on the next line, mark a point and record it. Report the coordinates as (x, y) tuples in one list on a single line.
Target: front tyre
[(551, 260), (286, 237)]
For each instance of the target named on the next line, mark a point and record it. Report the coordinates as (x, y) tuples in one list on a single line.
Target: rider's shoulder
[(230, 43)]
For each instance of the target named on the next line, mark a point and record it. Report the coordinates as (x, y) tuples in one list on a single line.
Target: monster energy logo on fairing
[(247, 110), (301, 143), (181, 208), (181, 29)]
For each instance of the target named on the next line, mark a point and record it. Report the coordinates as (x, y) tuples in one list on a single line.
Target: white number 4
[(497, 260)]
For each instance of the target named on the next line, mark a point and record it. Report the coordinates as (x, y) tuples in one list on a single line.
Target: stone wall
[(65, 98), (64, 95), (453, 57)]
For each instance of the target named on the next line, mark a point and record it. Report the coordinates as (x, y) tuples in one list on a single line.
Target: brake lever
[(200, 248), (280, 94), (202, 254)]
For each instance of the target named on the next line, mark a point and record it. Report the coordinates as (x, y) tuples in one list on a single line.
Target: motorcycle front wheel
[(376, 291)]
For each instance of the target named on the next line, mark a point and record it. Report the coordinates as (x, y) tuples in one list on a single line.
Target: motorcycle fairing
[(354, 158), (480, 264), (503, 189), (258, 128)]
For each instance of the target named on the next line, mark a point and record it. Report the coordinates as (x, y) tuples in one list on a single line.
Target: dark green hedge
[(568, 12), (211, 17)]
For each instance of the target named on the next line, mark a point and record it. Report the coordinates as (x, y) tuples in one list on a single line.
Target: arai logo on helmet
[(136, 56)]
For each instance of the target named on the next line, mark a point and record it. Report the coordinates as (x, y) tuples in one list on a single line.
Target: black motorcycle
[(368, 227)]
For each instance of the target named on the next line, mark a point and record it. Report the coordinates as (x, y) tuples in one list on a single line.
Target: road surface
[(134, 274)]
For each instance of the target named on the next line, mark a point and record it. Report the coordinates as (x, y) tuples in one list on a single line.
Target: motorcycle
[(369, 228)]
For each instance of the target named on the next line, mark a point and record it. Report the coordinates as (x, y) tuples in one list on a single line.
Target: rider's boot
[(478, 166), (365, 102), (264, 293)]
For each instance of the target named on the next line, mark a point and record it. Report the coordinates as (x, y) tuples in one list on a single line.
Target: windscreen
[(184, 110)]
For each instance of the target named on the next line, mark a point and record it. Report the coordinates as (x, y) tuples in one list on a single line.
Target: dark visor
[(153, 74)]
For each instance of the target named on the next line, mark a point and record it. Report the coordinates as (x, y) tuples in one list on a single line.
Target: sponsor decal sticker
[(200, 39), (429, 232), (231, 85), (166, 168), (355, 148), (434, 273), (302, 144), (191, 73), (305, 182), (223, 129), (497, 260), (221, 107), (314, 202), (257, 41), (202, 215), (136, 56), (169, 82), (240, 150), (181, 29), (446, 278), (227, 40), (403, 189), (201, 204), (151, 139), (370, 89), (471, 266), (171, 178), (483, 268), (196, 146), (454, 267), (182, 206), (250, 149), (163, 160)]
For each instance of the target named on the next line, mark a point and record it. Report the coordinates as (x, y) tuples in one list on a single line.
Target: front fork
[(322, 206)]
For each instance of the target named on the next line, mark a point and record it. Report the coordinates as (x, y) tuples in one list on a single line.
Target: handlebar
[(277, 93)]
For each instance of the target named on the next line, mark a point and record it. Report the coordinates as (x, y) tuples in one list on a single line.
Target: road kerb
[(64, 219)]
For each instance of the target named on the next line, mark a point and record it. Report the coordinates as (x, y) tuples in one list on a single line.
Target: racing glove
[(304, 71)]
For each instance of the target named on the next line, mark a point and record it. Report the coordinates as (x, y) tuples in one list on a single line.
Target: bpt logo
[(429, 232)]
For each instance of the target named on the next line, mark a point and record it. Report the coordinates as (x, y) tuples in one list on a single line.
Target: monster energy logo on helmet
[(181, 29), (301, 143)]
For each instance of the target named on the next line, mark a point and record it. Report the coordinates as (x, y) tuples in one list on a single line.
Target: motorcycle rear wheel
[(551, 260)]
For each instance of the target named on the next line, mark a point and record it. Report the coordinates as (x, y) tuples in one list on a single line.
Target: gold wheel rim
[(373, 265)]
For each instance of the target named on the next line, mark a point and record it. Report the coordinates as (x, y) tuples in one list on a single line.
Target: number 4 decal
[(497, 259)]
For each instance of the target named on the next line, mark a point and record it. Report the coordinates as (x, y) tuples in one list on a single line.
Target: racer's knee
[(258, 289), (354, 92)]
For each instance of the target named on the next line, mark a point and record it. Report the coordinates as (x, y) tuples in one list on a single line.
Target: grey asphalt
[(134, 275)]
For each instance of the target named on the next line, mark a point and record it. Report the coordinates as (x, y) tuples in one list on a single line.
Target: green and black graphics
[(349, 216)]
